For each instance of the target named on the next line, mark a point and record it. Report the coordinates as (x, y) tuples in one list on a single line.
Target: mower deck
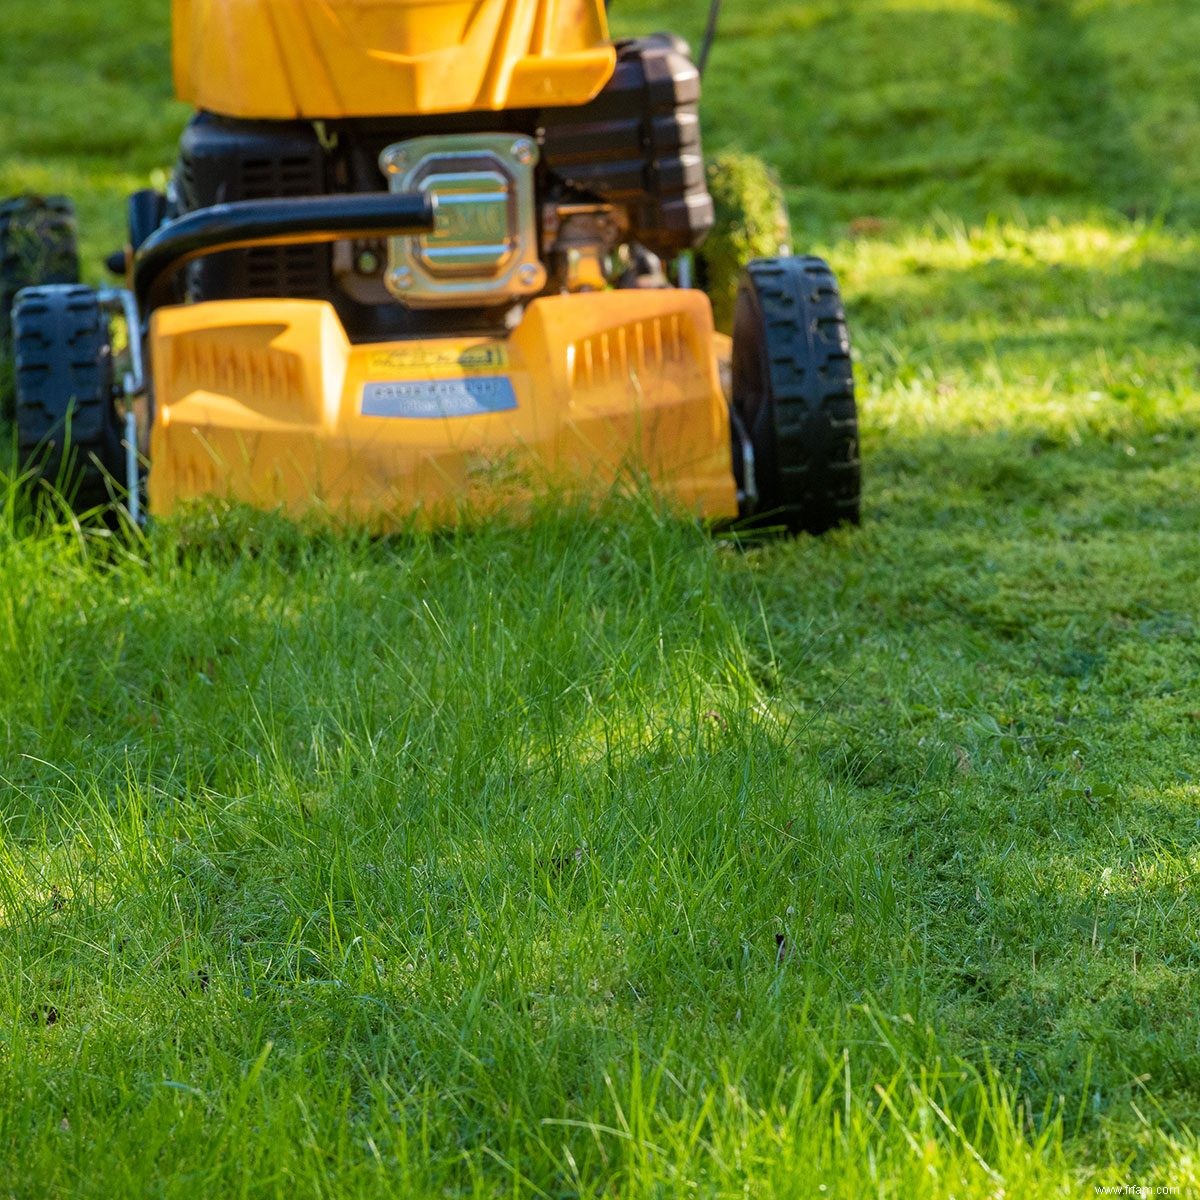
[(268, 402)]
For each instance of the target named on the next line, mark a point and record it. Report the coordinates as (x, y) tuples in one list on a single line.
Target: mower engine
[(555, 203)]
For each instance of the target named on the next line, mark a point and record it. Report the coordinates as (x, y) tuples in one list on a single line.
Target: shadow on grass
[(1070, 97), (380, 787), (870, 111)]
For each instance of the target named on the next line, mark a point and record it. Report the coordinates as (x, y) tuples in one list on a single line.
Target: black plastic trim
[(249, 223)]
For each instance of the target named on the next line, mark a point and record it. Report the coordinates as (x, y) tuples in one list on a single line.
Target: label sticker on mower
[(481, 358), (431, 398)]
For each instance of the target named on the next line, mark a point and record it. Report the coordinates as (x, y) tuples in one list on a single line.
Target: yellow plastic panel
[(329, 59), (262, 401)]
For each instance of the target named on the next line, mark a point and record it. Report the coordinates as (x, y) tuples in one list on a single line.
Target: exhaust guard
[(249, 223)]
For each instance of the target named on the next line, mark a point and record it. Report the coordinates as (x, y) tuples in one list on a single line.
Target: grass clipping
[(38, 245), (751, 222)]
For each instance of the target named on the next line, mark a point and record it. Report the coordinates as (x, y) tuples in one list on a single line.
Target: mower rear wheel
[(68, 428), (793, 390), (38, 245)]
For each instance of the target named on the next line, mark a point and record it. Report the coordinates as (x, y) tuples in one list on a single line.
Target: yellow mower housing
[(418, 255), (370, 58), (268, 401)]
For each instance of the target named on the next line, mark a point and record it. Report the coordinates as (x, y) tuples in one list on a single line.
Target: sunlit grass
[(596, 855)]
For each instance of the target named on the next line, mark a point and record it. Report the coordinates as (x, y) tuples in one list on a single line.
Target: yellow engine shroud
[(329, 59), (267, 402)]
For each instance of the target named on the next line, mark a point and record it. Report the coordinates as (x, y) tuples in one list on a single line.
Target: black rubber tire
[(38, 245), (68, 428), (793, 389)]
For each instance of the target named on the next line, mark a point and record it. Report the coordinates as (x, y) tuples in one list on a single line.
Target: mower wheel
[(68, 428), (38, 245), (793, 391)]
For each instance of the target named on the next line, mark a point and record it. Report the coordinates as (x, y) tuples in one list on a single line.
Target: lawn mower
[(419, 257)]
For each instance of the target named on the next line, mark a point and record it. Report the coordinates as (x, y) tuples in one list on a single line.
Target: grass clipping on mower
[(751, 222)]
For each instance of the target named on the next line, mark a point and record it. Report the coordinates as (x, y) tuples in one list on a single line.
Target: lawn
[(597, 856)]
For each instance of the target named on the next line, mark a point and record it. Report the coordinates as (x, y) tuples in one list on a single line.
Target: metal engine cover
[(484, 250)]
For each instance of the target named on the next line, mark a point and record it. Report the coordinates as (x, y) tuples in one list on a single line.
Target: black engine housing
[(636, 145), (222, 161)]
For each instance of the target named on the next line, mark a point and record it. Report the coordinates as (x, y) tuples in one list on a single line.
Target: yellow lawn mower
[(421, 256)]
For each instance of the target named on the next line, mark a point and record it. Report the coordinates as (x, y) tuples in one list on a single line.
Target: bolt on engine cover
[(484, 249)]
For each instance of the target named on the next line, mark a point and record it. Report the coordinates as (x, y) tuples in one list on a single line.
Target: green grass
[(595, 856)]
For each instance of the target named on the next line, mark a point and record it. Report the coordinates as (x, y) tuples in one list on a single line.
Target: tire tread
[(807, 428), (67, 427)]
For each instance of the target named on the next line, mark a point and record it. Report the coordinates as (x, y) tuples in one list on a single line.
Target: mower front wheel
[(793, 392), (68, 428)]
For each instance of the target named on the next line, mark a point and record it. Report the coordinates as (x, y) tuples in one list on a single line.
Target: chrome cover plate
[(484, 250)]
